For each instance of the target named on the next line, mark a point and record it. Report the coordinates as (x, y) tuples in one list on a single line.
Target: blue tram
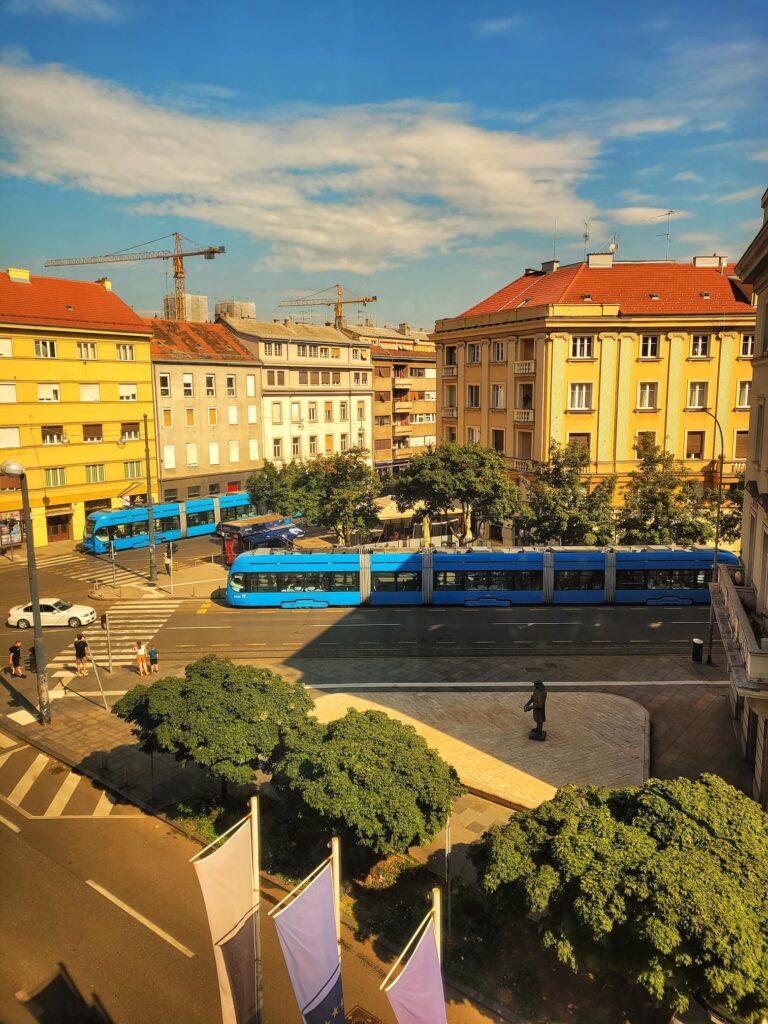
[(473, 579)]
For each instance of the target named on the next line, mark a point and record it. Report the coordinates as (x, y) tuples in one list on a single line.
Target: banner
[(306, 929), (416, 995), (226, 884)]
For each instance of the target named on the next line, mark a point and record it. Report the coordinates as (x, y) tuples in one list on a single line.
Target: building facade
[(316, 387), (207, 395), (75, 386), (600, 353), (195, 308), (235, 308)]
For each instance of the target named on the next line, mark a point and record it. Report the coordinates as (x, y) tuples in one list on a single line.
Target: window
[(251, 413), (194, 517), (579, 579), (187, 385), (126, 353), (336, 377), (296, 446), (90, 392), (450, 355), (312, 350), (214, 489), (697, 394), (165, 385), (473, 435), (86, 350), (171, 493), (355, 353), (234, 451), (314, 377), (396, 581), (343, 410), (647, 395), (45, 393), (253, 449), (130, 431), (303, 377), (759, 428), (582, 346), (360, 411), (498, 579), (277, 412), (325, 353), (329, 412), (192, 453), (344, 442), (325, 376), (189, 417), (132, 470), (312, 412), (45, 349), (52, 435), (275, 377), (56, 477), (95, 474), (267, 348), (647, 436), (747, 349), (8, 392), (473, 396), (649, 346), (301, 350), (498, 351), (580, 397), (169, 456), (694, 444), (473, 352), (210, 385), (6, 348), (497, 396), (313, 445), (213, 416), (740, 447), (277, 448), (127, 392), (167, 417), (497, 440), (9, 437), (329, 442), (295, 412), (382, 421), (93, 432), (250, 385), (581, 440), (232, 415), (278, 348), (743, 393), (700, 346), (213, 453)]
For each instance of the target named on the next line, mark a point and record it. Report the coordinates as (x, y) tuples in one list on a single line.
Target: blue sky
[(424, 152)]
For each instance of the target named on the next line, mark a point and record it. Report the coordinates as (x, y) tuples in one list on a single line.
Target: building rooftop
[(650, 288), (404, 355), (32, 301), (282, 330), (183, 341)]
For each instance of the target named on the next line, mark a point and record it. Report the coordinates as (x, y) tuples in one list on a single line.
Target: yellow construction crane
[(177, 256), (337, 303)]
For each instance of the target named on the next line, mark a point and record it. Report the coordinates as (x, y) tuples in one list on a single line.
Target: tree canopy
[(372, 777), (278, 489), (666, 884), (732, 510), (468, 475)]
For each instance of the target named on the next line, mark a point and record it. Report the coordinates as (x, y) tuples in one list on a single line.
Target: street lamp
[(715, 566), (150, 506), (12, 468)]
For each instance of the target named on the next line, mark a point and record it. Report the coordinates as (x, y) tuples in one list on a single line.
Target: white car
[(53, 612)]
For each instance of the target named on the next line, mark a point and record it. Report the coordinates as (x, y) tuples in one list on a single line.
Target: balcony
[(525, 366), (523, 416), (747, 656), (450, 371), (449, 412), (400, 383), (403, 405), (521, 465), (401, 428)]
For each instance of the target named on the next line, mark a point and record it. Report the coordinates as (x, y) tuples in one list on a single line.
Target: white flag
[(306, 929), (226, 883), (416, 995)]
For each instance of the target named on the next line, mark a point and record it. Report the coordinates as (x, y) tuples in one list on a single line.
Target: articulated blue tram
[(473, 579), (128, 527)]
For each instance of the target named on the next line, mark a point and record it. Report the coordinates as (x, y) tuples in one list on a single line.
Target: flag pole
[(411, 941), (437, 915), (336, 869), (300, 885), (256, 883)]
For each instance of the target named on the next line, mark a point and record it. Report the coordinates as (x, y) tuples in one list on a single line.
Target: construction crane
[(178, 255), (337, 303)]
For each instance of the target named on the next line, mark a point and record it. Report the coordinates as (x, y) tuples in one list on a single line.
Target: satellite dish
[(613, 247)]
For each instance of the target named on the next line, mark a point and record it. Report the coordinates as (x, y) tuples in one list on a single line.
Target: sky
[(426, 153)]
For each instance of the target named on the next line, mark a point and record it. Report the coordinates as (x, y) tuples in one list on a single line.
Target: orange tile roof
[(183, 341), (679, 287), (59, 302)]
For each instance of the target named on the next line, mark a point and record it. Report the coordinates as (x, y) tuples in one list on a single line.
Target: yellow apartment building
[(75, 383), (598, 353)]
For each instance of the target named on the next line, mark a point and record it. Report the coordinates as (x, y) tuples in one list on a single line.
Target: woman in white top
[(141, 657)]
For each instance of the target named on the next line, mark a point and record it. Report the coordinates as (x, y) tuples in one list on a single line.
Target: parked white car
[(53, 612)]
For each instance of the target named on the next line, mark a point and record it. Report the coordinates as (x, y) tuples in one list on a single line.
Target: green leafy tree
[(662, 506), (562, 506), (370, 776), (732, 510), (278, 489), (666, 884), (226, 718), (342, 487), (468, 475)]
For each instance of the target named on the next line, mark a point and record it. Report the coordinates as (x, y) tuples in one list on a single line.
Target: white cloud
[(496, 26), (641, 214), (633, 196), (687, 176), (738, 197), (751, 226), (357, 188), (760, 155), (646, 126), (87, 10)]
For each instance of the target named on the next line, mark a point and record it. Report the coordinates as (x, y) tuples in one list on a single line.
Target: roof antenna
[(585, 237), (665, 234), (555, 240)]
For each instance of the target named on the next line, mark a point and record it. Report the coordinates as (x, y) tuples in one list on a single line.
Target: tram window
[(168, 523), (662, 579), (237, 582), (200, 518), (102, 534), (445, 579), (395, 581), (630, 579), (495, 579), (296, 582), (579, 579)]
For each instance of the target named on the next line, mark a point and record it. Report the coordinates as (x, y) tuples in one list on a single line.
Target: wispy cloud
[(742, 196), (687, 176), (646, 126), (751, 226), (497, 26), (642, 214), (636, 198), (761, 154), (86, 10)]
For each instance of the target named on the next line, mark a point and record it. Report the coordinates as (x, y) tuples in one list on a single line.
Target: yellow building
[(599, 353), (75, 383)]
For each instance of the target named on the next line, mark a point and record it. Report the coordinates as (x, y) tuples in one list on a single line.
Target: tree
[(732, 510), (226, 718), (371, 776), (666, 884), (468, 475), (661, 506), (561, 505), (278, 489)]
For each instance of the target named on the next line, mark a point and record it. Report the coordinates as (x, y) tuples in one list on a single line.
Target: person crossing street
[(82, 654)]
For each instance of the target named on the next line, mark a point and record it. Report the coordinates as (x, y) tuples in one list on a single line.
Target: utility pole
[(715, 565), (150, 506)]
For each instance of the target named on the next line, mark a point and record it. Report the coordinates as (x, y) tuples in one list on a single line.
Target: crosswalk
[(129, 621), (89, 569), (39, 787)]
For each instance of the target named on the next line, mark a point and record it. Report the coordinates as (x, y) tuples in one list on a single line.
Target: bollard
[(697, 650)]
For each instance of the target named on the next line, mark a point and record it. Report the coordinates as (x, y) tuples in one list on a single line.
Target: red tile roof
[(58, 302), (679, 287), (182, 341)]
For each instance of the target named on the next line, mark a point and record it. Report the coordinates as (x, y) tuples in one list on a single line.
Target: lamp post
[(715, 566), (16, 469), (150, 506)]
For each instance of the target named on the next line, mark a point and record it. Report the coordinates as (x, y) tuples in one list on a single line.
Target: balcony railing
[(449, 412), (747, 658), (402, 404), (521, 465), (523, 366), (523, 416), (450, 371), (402, 428), (402, 382)]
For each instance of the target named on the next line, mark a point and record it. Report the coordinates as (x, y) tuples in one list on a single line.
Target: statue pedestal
[(534, 734)]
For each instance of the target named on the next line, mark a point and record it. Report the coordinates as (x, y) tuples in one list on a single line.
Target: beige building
[(208, 414), (741, 600), (235, 308), (317, 387), (195, 308)]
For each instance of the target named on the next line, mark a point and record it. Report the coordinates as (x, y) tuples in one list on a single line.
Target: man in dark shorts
[(14, 658), (81, 655)]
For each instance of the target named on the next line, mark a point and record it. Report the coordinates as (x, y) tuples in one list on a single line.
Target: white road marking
[(518, 684), (139, 917), (9, 824), (60, 801), (169, 629), (7, 741), (104, 807), (28, 779)]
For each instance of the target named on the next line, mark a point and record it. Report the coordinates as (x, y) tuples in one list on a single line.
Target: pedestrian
[(153, 660), (14, 658), (141, 657), (537, 703), (82, 654), (167, 561)]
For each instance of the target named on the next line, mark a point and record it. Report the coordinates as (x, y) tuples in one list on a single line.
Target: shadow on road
[(59, 1001)]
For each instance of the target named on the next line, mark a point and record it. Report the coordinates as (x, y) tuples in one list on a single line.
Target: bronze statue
[(536, 703)]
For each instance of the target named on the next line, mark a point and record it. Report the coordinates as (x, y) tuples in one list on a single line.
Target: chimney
[(549, 266), (710, 261), (404, 328), (286, 322), (17, 275), (599, 259), (105, 282)]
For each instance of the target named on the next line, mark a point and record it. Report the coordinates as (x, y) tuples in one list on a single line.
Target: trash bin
[(697, 650)]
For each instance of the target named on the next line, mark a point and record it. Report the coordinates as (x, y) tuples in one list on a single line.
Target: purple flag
[(306, 929), (416, 995)]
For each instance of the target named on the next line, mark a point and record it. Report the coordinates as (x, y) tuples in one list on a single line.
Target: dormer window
[(586, 297), (654, 295), (705, 295)]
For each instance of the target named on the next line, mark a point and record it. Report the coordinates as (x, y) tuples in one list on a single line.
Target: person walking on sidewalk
[(82, 654), (154, 656), (14, 658), (167, 561), (141, 657)]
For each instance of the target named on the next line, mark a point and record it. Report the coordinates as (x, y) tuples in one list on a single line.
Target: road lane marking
[(139, 917), (104, 807), (7, 741), (60, 801), (168, 629), (9, 824), (28, 779)]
